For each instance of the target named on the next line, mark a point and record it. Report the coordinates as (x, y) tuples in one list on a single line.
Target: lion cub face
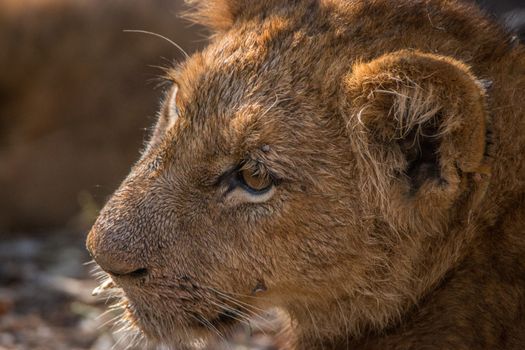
[(281, 175), (246, 189)]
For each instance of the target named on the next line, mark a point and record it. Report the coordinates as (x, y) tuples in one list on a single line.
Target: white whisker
[(158, 36)]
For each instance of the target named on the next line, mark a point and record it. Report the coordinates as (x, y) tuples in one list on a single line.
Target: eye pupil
[(255, 182)]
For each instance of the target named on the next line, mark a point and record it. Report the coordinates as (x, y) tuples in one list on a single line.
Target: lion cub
[(358, 164)]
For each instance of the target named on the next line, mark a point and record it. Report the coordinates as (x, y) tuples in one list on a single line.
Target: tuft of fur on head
[(221, 15), (217, 15)]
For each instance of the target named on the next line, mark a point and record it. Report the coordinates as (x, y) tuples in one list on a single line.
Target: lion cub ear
[(419, 122)]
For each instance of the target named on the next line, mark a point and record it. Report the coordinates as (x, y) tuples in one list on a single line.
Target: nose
[(112, 257)]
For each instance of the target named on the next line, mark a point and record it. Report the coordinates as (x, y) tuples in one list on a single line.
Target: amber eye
[(255, 183)]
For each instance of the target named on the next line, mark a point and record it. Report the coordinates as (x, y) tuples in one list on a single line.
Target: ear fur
[(419, 121), (220, 15)]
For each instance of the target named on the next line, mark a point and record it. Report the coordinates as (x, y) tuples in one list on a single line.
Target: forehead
[(240, 81), (257, 85), (241, 67)]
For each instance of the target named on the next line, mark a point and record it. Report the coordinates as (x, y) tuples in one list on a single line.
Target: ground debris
[(45, 296)]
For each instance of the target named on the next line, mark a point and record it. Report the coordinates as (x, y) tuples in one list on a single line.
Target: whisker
[(239, 303), (243, 318), (233, 294), (113, 321), (246, 313), (208, 325), (343, 315), (158, 36), (314, 324)]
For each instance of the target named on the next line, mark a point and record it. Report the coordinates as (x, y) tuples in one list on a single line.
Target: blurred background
[(77, 96)]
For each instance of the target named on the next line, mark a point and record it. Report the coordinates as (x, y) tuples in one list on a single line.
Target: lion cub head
[(291, 167)]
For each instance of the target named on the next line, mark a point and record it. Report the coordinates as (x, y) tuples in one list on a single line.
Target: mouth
[(197, 321), (226, 320)]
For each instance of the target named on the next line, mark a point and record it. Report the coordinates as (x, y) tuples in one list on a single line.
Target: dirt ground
[(45, 295)]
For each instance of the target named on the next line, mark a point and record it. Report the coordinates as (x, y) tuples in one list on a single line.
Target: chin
[(165, 316), (176, 330)]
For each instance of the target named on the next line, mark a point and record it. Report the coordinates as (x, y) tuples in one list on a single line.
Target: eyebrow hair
[(164, 102), (165, 112)]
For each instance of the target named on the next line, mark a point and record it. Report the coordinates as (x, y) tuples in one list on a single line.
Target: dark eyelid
[(226, 175)]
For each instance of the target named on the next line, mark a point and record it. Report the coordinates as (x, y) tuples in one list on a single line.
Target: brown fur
[(393, 132)]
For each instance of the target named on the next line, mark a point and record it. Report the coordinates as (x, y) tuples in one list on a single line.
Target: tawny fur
[(394, 134)]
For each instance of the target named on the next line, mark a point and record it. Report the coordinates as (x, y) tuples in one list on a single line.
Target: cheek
[(316, 239), (236, 255)]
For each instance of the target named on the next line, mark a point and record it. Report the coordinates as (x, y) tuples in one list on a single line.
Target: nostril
[(119, 266), (138, 273)]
